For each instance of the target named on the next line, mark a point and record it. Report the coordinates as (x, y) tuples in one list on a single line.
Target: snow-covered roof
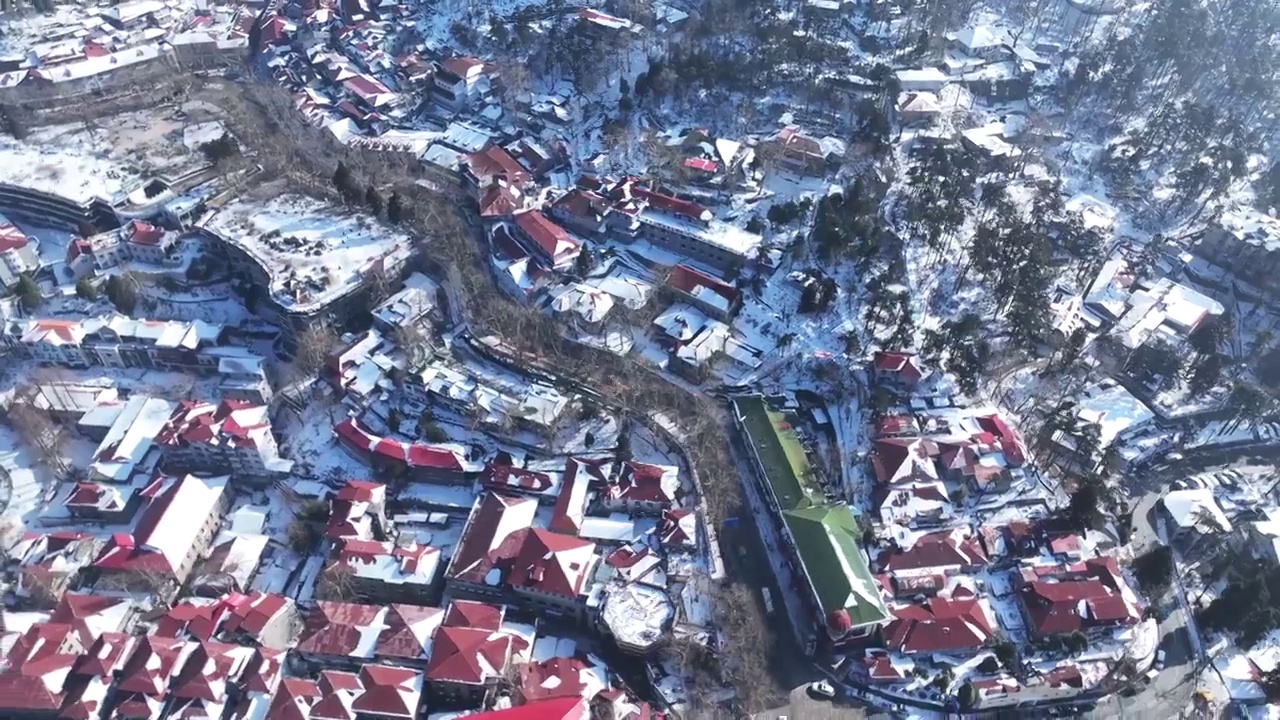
[(981, 37), (131, 436), (637, 614), (1195, 508), (1113, 408)]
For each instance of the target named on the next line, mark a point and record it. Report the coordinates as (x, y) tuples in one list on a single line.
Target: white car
[(1160, 660), (822, 688)]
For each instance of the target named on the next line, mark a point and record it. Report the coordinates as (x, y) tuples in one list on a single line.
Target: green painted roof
[(827, 538), (780, 451), (826, 535)]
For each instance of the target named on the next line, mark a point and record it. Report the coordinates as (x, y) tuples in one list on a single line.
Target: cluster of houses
[(97, 46), (117, 341), (236, 655), (930, 573)]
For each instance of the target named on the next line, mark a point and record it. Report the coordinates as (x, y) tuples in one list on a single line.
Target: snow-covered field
[(105, 158), (312, 253)]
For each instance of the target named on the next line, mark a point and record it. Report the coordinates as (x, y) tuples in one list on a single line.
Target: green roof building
[(825, 534)]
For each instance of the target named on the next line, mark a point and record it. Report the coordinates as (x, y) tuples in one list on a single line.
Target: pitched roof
[(474, 614), (495, 161), (553, 240), (492, 537), (468, 655), (698, 284), (1064, 599), (409, 631), (338, 628), (564, 708), (552, 563), (901, 364), (903, 460), (642, 482), (939, 625), (953, 547), (168, 529)]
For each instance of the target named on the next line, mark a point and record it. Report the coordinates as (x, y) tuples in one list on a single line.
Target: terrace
[(311, 255)]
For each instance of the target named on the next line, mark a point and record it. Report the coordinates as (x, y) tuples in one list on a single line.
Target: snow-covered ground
[(105, 158), (312, 253)]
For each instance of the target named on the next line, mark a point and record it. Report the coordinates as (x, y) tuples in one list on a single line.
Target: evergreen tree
[(28, 292), (373, 199), (85, 289), (394, 211), (585, 262)]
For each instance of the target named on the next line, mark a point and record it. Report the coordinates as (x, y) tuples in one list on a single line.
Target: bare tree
[(315, 345), (38, 430), (337, 582)]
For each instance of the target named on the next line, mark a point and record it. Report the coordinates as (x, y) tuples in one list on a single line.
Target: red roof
[(294, 699), (902, 364), (544, 233), (903, 460), (334, 628), (1010, 443), (399, 639), (548, 563), (565, 708), (570, 506), (473, 614), (687, 280), (250, 613), (413, 455), (672, 205), (11, 238), (385, 690), (496, 162), (941, 549), (1064, 599), (489, 541), (149, 667), (468, 655), (703, 164), (938, 625), (144, 233), (509, 477)]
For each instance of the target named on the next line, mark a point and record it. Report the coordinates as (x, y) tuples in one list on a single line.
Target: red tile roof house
[(358, 511), (501, 556), (939, 625), (232, 436), (1087, 596), (383, 572), (565, 708), (346, 635), (488, 166), (34, 681), (899, 370), (261, 619), (550, 245), (102, 502), (643, 488), (427, 463), (376, 692), (49, 563), (718, 299), (582, 211), (174, 530), (940, 552), (471, 655)]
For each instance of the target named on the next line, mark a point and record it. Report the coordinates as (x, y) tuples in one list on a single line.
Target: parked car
[(822, 689), (1160, 660)]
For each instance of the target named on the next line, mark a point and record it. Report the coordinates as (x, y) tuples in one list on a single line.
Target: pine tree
[(585, 262), (85, 289), (394, 211), (344, 183), (28, 292), (373, 199)]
